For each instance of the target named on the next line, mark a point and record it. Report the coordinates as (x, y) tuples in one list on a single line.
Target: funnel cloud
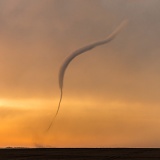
[(73, 55)]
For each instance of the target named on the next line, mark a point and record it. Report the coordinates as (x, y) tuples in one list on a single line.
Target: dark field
[(80, 154)]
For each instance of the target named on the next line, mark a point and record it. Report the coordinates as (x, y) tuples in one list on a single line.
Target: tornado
[(78, 52)]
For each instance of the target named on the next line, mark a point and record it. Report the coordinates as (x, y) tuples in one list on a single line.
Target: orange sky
[(111, 93)]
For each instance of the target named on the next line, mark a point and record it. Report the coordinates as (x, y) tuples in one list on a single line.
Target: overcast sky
[(111, 93)]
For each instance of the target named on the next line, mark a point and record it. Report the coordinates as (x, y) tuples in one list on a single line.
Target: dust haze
[(37, 35)]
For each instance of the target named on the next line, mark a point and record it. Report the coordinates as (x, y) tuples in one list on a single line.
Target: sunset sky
[(111, 93)]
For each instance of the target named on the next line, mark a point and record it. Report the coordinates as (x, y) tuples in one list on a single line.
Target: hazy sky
[(111, 93)]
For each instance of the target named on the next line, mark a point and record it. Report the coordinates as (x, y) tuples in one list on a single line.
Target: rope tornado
[(71, 56)]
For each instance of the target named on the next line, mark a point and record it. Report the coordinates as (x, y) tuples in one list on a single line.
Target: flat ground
[(81, 154)]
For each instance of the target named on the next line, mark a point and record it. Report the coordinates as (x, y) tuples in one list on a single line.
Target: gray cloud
[(32, 32)]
